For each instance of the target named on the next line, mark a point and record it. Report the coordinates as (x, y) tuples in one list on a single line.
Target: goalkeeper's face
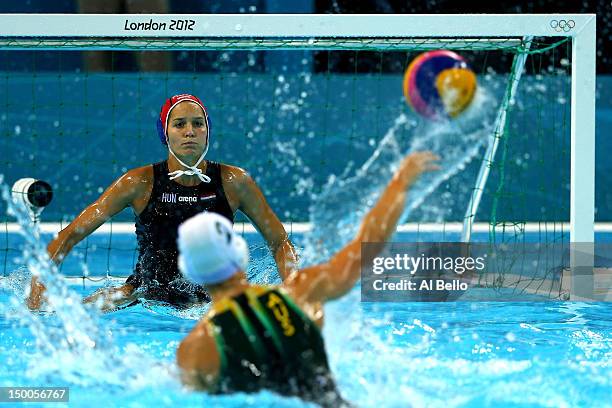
[(187, 130)]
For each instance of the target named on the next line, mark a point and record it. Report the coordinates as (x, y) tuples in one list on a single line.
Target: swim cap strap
[(192, 170)]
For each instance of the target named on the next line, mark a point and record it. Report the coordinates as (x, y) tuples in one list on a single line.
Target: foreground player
[(256, 337), (165, 194)]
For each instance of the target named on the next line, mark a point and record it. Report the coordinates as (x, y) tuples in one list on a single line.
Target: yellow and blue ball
[(439, 84)]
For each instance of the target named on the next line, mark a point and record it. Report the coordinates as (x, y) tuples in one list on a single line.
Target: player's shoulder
[(139, 176), (140, 172), (234, 174)]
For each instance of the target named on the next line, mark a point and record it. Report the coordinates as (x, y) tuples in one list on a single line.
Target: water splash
[(72, 344), (343, 201)]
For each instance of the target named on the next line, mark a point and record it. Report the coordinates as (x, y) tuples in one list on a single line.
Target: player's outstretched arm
[(122, 193), (336, 277)]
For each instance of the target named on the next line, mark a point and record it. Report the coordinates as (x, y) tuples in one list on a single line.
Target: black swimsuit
[(170, 204)]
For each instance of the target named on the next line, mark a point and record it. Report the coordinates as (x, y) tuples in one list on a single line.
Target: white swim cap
[(209, 250)]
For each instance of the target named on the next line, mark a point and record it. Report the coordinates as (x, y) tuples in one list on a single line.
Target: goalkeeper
[(162, 196)]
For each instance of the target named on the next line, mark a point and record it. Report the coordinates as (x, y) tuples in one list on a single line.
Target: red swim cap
[(164, 114)]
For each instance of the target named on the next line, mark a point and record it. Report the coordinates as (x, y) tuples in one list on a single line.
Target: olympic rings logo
[(562, 25)]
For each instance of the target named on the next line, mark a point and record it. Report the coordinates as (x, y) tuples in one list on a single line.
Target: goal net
[(312, 107)]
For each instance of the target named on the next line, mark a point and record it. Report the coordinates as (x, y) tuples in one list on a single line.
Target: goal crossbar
[(294, 25)]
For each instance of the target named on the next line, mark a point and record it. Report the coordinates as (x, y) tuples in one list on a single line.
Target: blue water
[(389, 355)]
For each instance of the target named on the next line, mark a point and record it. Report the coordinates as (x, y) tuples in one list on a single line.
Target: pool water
[(459, 354)]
